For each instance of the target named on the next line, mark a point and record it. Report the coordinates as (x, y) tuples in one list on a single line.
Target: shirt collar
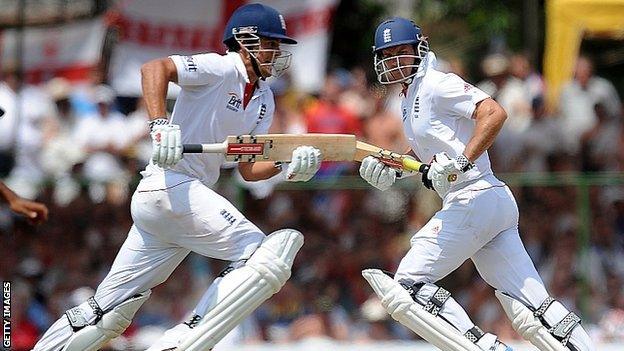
[(240, 67), (428, 62)]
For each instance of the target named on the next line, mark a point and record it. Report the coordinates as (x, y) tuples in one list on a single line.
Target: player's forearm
[(489, 117), (6, 194), (155, 78), (255, 171)]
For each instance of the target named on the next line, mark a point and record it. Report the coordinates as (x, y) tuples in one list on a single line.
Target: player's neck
[(404, 89)]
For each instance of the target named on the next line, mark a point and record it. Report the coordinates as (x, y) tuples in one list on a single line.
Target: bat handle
[(192, 149), (219, 148), (414, 166)]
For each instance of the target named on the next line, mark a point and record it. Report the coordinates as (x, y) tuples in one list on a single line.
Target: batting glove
[(305, 162), (377, 174), (166, 144), (444, 170)]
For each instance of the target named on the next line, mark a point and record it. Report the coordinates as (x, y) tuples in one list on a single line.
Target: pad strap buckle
[(435, 303), (474, 334), (563, 330), (76, 317)]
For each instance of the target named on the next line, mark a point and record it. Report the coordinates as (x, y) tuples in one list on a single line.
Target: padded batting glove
[(166, 143), (444, 170), (377, 174), (305, 162)]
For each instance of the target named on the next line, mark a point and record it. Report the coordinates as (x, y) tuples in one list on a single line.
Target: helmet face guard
[(249, 39), (392, 33), (387, 67)]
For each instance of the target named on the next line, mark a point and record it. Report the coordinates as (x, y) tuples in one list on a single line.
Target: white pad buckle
[(528, 325), (111, 325), (563, 329)]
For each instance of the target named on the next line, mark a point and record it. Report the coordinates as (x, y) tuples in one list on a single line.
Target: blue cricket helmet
[(260, 19), (396, 31)]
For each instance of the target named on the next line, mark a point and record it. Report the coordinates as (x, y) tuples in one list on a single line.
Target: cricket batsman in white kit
[(452, 123), (175, 211)]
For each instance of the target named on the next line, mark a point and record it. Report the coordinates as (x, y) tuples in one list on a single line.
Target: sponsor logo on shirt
[(467, 87), (262, 113), (189, 64), (228, 216), (417, 107), (234, 102)]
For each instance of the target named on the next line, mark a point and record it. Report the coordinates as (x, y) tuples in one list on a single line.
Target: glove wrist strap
[(160, 121), (464, 163)]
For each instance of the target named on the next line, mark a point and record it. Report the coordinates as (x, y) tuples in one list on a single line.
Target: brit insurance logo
[(234, 102), (189, 64)]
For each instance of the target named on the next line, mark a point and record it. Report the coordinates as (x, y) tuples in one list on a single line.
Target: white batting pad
[(244, 289), (406, 311), (527, 325), (112, 324)]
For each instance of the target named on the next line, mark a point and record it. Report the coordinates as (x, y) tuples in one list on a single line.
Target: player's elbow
[(245, 170), (492, 112), (248, 177), (500, 113)]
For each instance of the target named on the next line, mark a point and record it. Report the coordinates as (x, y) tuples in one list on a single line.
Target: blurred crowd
[(79, 148)]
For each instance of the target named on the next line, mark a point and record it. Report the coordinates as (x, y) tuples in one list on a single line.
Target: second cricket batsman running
[(452, 123), (175, 211)]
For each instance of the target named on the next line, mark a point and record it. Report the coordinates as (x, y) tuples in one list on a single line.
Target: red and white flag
[(158, 28), (71, 50)]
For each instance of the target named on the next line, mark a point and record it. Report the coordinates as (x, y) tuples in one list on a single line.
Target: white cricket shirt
[(210, 107), (437, 117)]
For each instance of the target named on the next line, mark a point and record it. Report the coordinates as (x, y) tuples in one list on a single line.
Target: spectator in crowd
[(522, 69), (61, 152), (598, 151), (579, 98), (543, 137), (33, 113), (511, 94), (327, 115), (384, 128), (8, 120), (99, 137)]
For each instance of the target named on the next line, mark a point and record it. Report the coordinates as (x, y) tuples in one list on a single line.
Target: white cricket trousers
[(173, 215), (481, 225)]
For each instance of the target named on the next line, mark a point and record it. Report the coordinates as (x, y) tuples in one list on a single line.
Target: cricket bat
[(279, 148)]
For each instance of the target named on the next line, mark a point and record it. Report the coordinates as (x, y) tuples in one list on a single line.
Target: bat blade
[(279, 147)]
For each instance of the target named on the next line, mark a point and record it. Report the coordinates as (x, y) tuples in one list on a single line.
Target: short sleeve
[(457, 98), (201, 69)]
